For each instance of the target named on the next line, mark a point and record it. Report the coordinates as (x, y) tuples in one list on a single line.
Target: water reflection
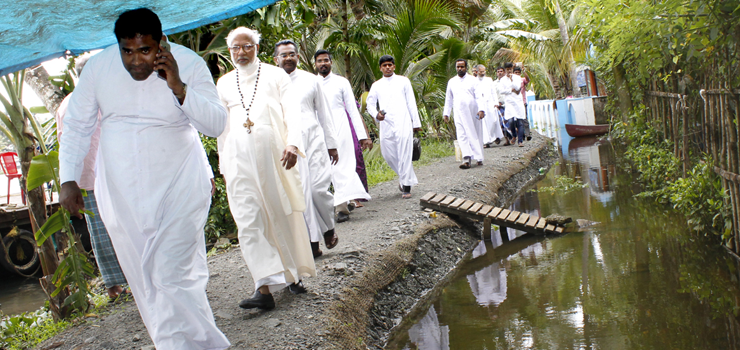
[(637, 280), (19, 295)]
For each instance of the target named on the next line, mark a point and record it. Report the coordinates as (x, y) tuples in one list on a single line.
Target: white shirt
[(314, 104)]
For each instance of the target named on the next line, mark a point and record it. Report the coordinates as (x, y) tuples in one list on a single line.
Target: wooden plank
[(522, 219), (438, 198), (447, 201), (456, 203), (485, 209), (428, 196), (532, 221), (541, 224), (494, 212), (513, 216), (474, 209), (504, 213), (487, 229), (550, 228), (559, 230), (466, 205)]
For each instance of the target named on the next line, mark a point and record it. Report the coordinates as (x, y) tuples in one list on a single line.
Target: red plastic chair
[(7, 161)]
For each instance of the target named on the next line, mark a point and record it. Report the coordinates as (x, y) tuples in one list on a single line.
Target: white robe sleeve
[(201, 105), (323, 112), (371, 102), (480, 98), (448, 100), (222, 138), (354, 114), (291, 113), (411, 104), (80, 123)]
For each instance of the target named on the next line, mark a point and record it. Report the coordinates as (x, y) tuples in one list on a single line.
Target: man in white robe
[(509, 88), (398, 119), (461, 99), (152, 189), (488, 93), (338, 91), (321, 147), (257, 154)]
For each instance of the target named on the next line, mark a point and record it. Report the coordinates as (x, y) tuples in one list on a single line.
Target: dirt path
[(300, 321)]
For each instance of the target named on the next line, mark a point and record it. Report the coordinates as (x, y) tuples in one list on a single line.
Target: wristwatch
[(184, 92)]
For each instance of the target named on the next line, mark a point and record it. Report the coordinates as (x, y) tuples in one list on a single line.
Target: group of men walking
[(486, 110), (285, 136)]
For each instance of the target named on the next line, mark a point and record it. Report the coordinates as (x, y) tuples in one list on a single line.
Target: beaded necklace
[(248, 124)]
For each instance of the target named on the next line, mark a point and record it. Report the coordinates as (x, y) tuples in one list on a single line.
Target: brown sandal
[(330, 239)]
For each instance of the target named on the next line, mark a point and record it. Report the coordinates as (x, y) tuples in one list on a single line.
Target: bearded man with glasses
[(258, 151)]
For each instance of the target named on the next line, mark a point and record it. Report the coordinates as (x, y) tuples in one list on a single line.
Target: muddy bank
[(388, 239)]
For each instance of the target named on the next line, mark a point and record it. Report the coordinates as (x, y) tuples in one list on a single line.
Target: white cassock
[(428, 334), (266, 200), (152, 187), (318, 138), (395, 96), (347, 184), (488, 94), (461, 99), (513, 101)]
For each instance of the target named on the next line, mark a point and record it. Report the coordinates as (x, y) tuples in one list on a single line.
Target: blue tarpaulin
[(34, 31)]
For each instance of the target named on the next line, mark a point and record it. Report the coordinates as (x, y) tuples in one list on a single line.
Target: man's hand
[(290, 157), (213, 187), (446, 118), (380, 116), (481, 114), (70, 197), (366, 144), (417, 130), (165, 61), (333, 156)]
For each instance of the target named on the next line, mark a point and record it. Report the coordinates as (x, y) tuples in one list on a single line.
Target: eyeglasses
[(246, 47), (286, 55)]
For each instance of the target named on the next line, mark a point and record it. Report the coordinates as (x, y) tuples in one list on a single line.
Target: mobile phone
[(163, 43)]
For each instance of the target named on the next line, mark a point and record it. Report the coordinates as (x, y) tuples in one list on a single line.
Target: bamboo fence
[(704, 123)]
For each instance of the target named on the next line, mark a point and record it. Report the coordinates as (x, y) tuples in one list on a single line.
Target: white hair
[(252, 34)]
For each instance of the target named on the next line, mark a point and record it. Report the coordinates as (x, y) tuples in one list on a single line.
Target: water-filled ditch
[(639, 279)]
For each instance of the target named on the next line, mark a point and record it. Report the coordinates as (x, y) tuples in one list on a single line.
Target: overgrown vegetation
[(378, 170), (699, 196), (563, 184)]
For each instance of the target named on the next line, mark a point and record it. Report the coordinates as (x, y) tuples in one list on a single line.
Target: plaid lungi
[(105, 255)]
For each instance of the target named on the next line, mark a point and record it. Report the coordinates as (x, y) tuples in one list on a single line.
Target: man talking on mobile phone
[(152, 187)]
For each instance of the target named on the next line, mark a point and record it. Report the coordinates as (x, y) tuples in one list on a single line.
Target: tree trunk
[(623, 91), (345, 33), (38, 78), (566, 41)]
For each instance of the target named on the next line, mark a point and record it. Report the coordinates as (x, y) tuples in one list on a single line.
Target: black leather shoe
[(259, 301), (342, 217), (297, 288)]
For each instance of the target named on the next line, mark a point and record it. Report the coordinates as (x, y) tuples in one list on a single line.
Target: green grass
[(29, 329), (378, 170)]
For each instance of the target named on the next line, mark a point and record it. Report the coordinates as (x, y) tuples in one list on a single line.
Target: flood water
[(19, 294), (637, 280)]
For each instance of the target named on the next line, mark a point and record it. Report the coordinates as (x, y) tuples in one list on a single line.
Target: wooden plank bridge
[(488, 214)]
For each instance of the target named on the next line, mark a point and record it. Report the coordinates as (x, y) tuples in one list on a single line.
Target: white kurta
[(318, 137), (461, 99), (488, 94), (396, 97), (489, 283), (265, 199), (152, 189), (513, 101), (347, 184)]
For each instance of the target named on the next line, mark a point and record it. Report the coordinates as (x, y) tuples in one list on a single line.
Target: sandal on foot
[(465, 165), (406, 195), (480, 163), (330, 239), (121, 296)]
